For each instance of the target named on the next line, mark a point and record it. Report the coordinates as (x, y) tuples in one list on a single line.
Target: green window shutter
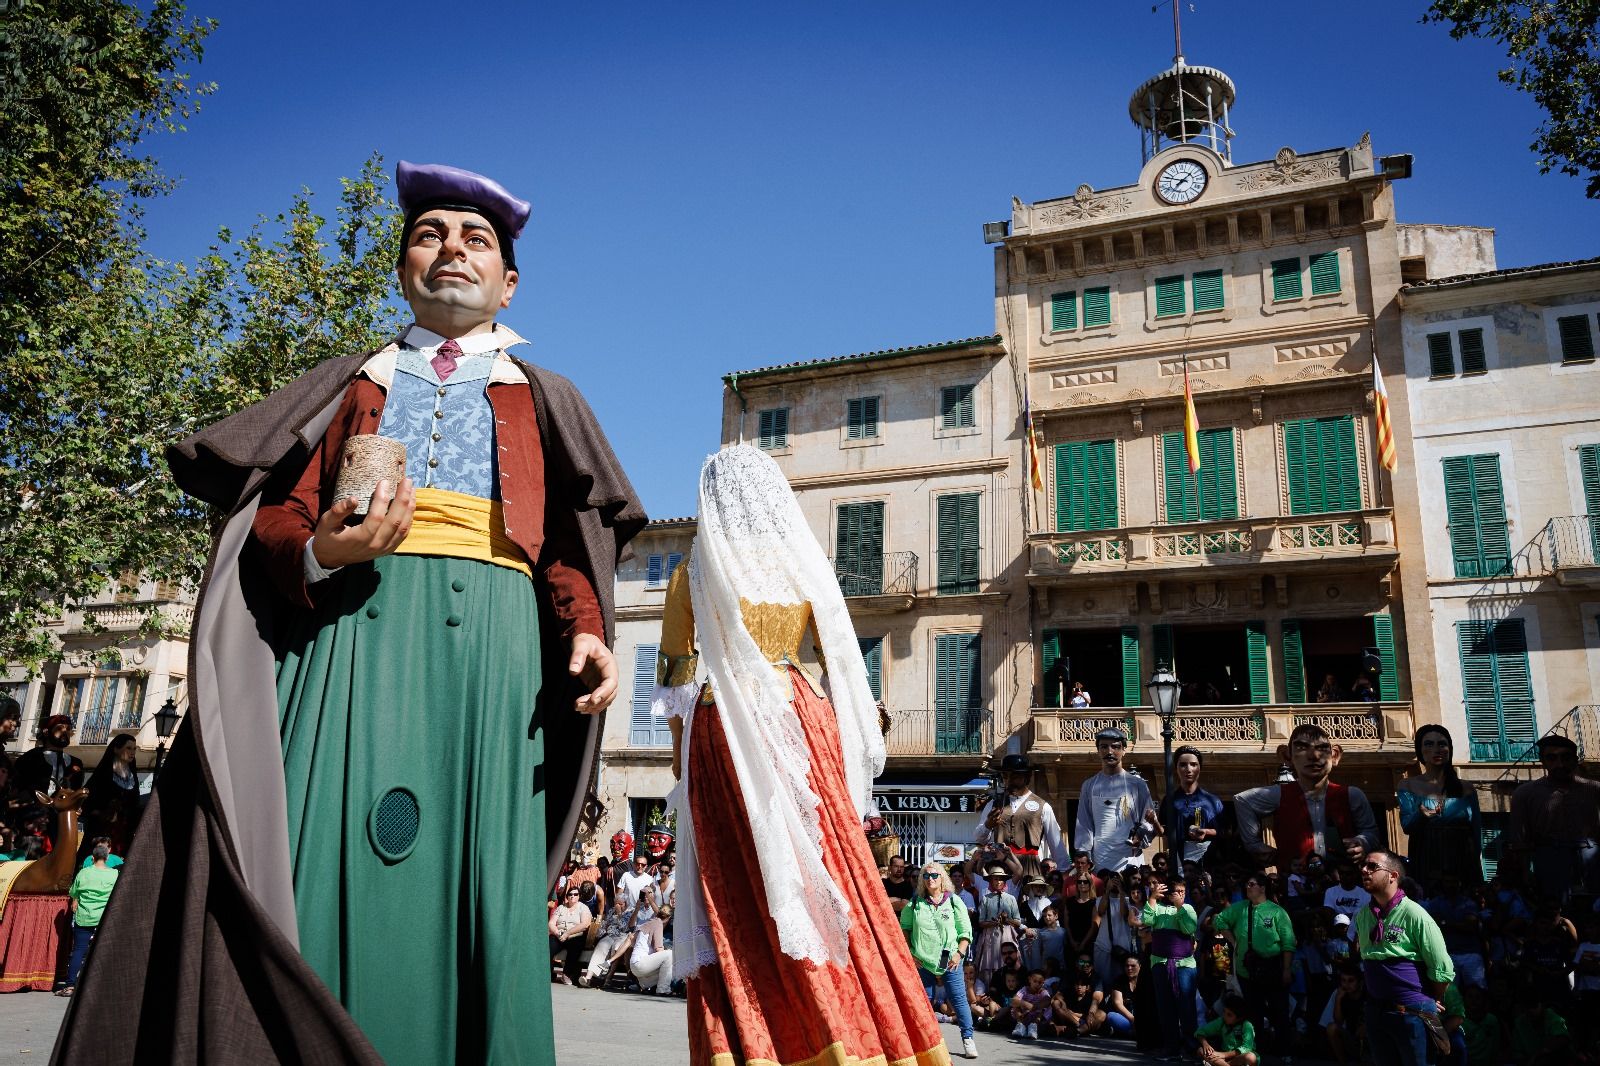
[(1183, 503), (1255, 637), (1496, 686), (1169, 296), (958, 693), (1162, 646), (1473, 358), (959, 545), (1514, 681), (861, 418), (858, 548), (1097, 306), (642, 729), (1214, 494), (1294, 663), (1063, 311), (1086, 485), (956, 407), (1206, 286), (1475, 509), (1441, 357), (1132, 678), (1325, 274), (1577, 342), (1049, 655), (1383, 638), (1286, 279), (872, 655), (774, 429), (1320, 461), (1589, 467)]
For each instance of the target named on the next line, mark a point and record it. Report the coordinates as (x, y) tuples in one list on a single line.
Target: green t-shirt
[(112, 861), (91, 888), (1528, 1035), (1222, 1037), (1166, 916), (1409, 933), (1483, 1040), (1271, 933)]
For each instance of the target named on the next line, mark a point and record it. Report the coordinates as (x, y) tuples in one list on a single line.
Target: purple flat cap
[(424, 184)]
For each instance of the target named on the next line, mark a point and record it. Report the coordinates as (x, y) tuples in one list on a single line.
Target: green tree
[(1553, 49)]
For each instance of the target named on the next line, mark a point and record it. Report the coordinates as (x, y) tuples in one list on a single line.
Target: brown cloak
[(196, 960)]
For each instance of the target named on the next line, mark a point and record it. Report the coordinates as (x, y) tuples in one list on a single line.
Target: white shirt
[(1109, 806), (629, 886), (1054, 846), (1341, 900)]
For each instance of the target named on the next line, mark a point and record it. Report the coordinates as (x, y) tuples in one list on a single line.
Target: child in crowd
[(1344, 1018), (1078, 1011), (1229, 1040), (1030, 1007)]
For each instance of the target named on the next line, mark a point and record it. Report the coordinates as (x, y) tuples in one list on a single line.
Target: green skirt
[(416, 833)]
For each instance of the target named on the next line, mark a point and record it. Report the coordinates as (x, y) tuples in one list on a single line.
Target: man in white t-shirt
[(1112, 805), (630, 883), (1347, 897)]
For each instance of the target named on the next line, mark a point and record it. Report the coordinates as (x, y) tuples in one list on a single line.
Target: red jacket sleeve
[(571, 586)]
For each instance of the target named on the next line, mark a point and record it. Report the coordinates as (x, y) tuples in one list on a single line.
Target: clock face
[(1181, 182)]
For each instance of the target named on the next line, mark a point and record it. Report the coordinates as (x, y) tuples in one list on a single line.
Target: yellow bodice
[(778, 629)]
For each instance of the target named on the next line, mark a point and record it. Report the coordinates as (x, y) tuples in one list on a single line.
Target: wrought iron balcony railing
[(890, 574), (940, 731), (1572, 542), (1251, 728)]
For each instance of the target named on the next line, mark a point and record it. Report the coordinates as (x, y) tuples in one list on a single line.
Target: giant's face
[(621, 847), (453, 262), (657, 842)]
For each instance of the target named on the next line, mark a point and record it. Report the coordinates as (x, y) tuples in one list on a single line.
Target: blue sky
[(724, 186)]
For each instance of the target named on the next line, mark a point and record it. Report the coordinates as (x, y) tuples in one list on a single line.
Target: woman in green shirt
[(939, 932), (1263, 952)]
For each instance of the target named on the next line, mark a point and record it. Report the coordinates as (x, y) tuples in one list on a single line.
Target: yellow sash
[(462, 527)]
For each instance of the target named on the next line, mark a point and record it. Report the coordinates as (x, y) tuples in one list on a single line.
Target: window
[(861, 418), (1169, 296), (1497, 689), (1097, 306), (1442, 348), (872, 655), (858, 548), (1577, 339), (1206, 288), (646, 730), (958, 544), (1325, 274), (1320, 464), (774, 430), (1286, 283), (1063, 311), (956, 409), (1214, 492), (1086, 485), (958, 694), (132, 703), (1388, 665), (658, 569), (1476, 508)]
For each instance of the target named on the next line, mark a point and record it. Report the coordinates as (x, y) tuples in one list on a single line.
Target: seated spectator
[(569, 933), (1010, 962), (1481, 1029), (1547, 955), (1344, 1017), (1003, 988), (1229, 1040), (1539, 1035), (608, 948), (1030, 1007), (652, 959), (1078, 1010), (985, 1008), (1127, 1000)]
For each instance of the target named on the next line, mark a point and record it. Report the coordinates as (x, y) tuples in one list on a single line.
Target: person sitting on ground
[(652, 958), (569, 933), (1481, 1029), (1003, 988), (1229, 1040), (1030, 1007), (614, 930), (1123, 1006), (1539, 1035), (1078, 1009), (1344, 1017), (984, 1007)]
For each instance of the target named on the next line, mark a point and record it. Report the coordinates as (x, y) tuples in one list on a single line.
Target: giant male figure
[(389, 715)]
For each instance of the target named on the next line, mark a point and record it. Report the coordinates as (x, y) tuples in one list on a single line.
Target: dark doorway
[(1095, 656), (1332, 648), (1213, 663)]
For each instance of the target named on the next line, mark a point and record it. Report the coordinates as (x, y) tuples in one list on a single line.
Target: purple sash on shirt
[(1171, 945), (1397, 981)]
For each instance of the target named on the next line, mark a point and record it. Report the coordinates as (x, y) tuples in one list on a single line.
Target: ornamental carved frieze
[(1073, 379), (1319, 350), (1289, 169), (1084, 206), (1317, 370), (1174, 367)]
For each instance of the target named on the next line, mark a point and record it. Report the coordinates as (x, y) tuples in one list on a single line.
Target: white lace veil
[(753, 544)]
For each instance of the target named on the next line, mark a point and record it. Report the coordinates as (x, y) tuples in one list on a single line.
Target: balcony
[(1359, 538), (938, 733), (1571, 547), (878, 584), (1256, 729), (166, 617)]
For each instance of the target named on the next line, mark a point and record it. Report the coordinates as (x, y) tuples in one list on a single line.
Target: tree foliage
[(113, 354), (1553, 49)]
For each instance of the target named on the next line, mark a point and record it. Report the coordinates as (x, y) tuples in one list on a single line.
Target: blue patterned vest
[(448, 429)]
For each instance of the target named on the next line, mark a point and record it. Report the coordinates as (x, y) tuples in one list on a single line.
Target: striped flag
[(1386, 453), (1035, 471), (1191, 424)]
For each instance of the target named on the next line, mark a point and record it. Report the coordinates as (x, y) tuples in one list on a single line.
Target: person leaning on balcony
[(1555, 822), (1313, 814), (1022, 821)]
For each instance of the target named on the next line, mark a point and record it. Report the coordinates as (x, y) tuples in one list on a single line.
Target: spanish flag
[(1380, 403), (1191, 424), (1035, 471)]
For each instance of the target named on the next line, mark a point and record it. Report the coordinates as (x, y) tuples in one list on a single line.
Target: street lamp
[(166, 720), (1163, 690)]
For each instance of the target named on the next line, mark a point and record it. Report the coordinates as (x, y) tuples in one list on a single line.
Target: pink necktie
[(444, 362)]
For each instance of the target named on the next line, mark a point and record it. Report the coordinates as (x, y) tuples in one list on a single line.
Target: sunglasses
[(932, 875), (1374, 867)]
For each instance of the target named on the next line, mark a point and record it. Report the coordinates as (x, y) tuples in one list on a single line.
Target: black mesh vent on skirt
[(395, 821)]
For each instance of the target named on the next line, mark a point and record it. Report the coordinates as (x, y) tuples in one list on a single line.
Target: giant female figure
[(791, 948)]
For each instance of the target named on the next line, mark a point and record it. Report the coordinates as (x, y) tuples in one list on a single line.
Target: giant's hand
[(593, 663), (386, 525)]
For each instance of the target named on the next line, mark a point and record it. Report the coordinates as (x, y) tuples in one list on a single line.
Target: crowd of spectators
[(611, 919)]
